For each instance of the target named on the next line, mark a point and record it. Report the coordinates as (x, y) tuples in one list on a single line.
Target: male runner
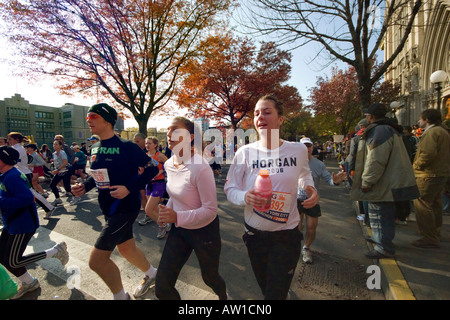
[(114, 170)]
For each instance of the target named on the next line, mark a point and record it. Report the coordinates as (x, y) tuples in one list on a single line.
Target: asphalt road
[(339, 271)]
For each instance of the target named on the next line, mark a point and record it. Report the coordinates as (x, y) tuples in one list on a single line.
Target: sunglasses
[(92, 116), (308, 145)]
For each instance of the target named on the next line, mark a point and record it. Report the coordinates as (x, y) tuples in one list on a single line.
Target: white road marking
[(77, 272)]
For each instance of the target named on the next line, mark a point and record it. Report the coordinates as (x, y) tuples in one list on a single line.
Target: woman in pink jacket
[(192, 209)]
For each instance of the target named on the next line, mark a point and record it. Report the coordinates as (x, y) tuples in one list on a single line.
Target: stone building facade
[(43, 122), (426, 51)]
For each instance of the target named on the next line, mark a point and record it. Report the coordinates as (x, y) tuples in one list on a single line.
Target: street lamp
[(437, 78), (394, 106)]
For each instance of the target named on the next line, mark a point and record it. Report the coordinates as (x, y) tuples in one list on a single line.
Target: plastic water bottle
[(302, 195), (263, 185)]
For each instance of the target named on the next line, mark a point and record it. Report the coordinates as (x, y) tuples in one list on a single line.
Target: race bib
[(101, 178), (279, 208)]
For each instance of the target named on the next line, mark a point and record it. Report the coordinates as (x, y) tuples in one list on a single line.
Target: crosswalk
[(78, 275)]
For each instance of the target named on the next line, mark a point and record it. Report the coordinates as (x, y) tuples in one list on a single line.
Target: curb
[(394, 285)]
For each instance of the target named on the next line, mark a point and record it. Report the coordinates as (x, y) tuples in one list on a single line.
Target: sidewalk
[(415, 273)]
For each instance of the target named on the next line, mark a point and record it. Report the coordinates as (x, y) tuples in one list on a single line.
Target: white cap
[(306, 140)]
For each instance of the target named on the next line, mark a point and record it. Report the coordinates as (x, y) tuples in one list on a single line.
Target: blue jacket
[(16, 197)]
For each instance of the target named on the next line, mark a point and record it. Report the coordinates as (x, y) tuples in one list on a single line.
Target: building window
[(44, 125), (44, 115), (18, 112), (67, 114), (15, 124)]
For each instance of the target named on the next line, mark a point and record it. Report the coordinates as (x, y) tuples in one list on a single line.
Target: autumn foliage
[(225, 85), (338, 97), (126, 52)]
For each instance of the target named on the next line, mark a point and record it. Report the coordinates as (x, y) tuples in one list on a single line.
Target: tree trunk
[(366, 97), (142, 124)]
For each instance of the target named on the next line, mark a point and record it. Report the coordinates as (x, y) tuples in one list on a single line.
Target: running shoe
[(145, 220), (49, 213), (162, 230), (307, 256), (25, 288), (143, 288), (56, 202), (62, 253), (44, 194), (75, 200)]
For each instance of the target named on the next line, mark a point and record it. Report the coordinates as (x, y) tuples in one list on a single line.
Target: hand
[(78, 190), (313, 198), (365, 189), (54, 172), (338, 178), (166, 215), (253, 198), (119, 192)]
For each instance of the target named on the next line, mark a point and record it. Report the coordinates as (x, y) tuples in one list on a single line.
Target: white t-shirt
[(288, 167), (22, 163)]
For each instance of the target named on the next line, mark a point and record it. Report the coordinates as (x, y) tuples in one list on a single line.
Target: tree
[(338, 97), (350, 31), (227, 83), (130, 51)]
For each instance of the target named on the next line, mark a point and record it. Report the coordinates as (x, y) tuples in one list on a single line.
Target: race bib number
[(101, 178), (279, 208)]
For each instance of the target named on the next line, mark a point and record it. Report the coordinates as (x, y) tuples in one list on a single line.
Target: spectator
[(432, 170), (383, 175)]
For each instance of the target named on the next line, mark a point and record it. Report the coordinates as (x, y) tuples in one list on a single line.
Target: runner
[(20, 222), (37, 166), (60, 172), (192, 208), (139, 139), (156, 188), (15, 140), (272, 237), (318, 170), (115, 164)]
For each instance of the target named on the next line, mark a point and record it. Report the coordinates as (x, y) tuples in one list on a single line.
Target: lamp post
[(394, 106), (437, 78)]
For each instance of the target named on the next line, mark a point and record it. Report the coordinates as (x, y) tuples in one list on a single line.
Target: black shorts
[(312, 212), (117, 230)]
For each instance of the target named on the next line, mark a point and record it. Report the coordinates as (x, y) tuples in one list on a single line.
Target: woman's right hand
[(253, 198)]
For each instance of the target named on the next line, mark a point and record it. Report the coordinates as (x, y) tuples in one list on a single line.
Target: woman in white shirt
[(272, 237), (192, 209)]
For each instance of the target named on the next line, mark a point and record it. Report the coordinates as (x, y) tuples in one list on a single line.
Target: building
[(427, 50), (202, 123), (43, 122)]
